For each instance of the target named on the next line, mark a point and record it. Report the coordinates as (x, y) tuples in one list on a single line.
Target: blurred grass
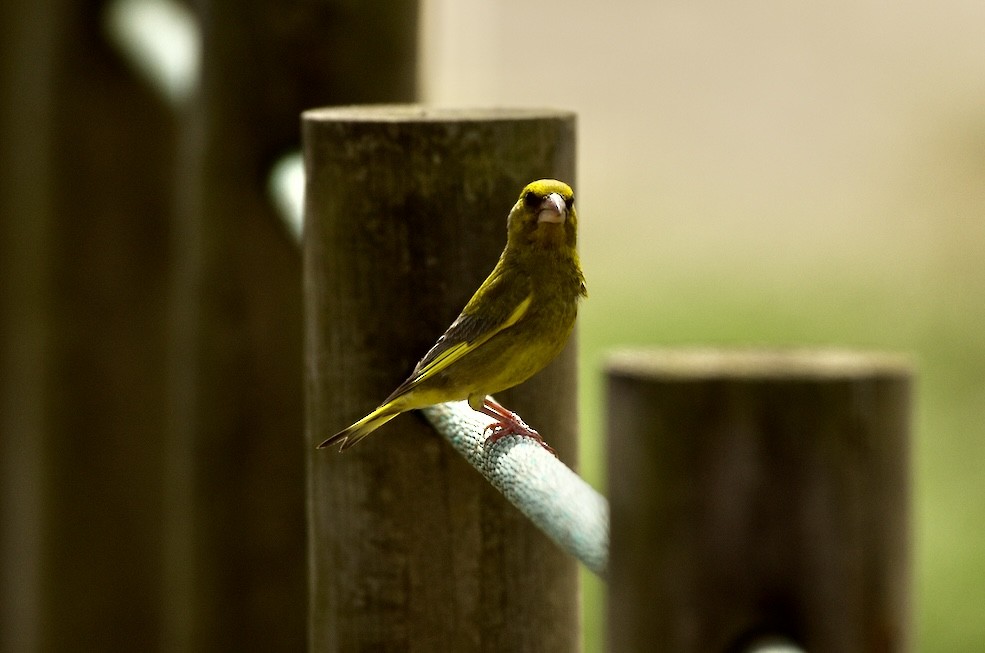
[(938, 323)]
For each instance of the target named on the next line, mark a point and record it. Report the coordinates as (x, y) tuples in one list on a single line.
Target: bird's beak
[(552, 209)]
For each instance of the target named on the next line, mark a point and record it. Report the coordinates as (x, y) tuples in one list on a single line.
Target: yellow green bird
[(515, 324)]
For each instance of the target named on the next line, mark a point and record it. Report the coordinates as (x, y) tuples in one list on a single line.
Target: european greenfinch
[(515, 324)]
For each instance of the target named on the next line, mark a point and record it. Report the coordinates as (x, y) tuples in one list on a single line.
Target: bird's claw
[(499, 430)]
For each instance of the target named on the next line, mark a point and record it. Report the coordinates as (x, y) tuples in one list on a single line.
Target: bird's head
[(544, 215)]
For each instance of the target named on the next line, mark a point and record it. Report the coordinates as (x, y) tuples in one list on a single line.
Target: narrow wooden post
[(235, 526), (756, 494), (409, 548), (84, 151)]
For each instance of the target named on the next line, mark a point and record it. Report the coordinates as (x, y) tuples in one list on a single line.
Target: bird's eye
[(569, 202), (530, 199)]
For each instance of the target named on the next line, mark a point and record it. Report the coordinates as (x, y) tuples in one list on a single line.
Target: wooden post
[(756, 494), (235, 556), (409, 548), (85, 169)]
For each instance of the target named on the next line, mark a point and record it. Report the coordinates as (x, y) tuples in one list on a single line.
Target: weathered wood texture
[(236, 563), (756, 493), (410, 549)]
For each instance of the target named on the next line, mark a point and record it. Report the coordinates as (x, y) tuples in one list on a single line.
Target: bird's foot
[(511, 424)]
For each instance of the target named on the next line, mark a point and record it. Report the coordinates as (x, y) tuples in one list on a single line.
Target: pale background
[(780, 173)]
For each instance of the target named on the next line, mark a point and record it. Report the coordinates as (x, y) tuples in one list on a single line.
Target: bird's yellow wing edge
[(453, 354)]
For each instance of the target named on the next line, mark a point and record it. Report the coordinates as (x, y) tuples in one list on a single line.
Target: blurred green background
[(773, 173)]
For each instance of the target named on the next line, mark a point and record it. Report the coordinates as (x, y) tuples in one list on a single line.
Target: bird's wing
[(470, 330)]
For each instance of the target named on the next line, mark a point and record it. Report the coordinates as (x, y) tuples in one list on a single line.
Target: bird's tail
[(362, 428)]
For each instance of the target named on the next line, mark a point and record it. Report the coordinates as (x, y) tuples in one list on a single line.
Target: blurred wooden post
[(409, 548), (85, 169), (235, 559), (758, 493)]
